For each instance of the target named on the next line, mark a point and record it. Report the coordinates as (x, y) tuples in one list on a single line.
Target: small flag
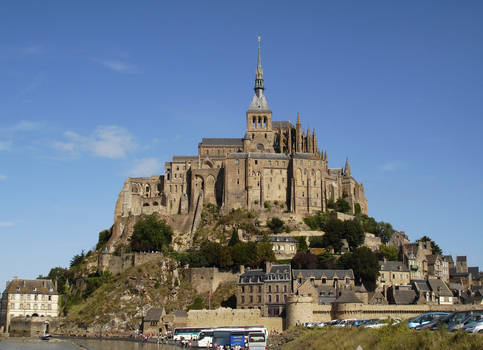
[(211, 295)]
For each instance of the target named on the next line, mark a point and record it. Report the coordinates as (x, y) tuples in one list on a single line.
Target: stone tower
[(259, 131)]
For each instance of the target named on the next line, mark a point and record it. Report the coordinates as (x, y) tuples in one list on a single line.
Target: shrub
[(151, 233), (276, 225)]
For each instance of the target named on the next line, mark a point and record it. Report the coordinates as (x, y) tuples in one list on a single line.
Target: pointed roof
[(259, 101), (346, 297), (347, 171), (298, 118)]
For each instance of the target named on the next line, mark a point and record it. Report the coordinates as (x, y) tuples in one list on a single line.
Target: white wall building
[(31, 298)]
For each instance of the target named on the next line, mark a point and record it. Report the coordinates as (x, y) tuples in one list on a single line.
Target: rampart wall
[(223, 317), (206, 279), (120, 263)]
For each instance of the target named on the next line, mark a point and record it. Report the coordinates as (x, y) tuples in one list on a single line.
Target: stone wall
[(29, 326), (302, 309), (119, 263), (223, 317), (206, 279)]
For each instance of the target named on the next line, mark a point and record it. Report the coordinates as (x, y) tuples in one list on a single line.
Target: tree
[(353, 233), (104, 236), (334, 229), (77, 259), (388, 252), (316, 242), (331, 204), (384, 231), (364, 264), (234, 239), (305, 260), (436, 249), (327, 260), (301, 244), (264, 251), (357, 209), (151, 234), (342, 206), (276, 225), (316, 222)]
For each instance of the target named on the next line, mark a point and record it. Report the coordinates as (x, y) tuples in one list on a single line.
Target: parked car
[(474, 317), (425, 318), (474, 327)]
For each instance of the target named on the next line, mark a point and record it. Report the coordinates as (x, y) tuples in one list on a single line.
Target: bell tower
[(259, 131)]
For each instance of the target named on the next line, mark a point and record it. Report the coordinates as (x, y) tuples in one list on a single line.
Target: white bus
[(184, 334), (205, 337)]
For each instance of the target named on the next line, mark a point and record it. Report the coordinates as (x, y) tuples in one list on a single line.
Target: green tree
[(334, 229), (234, 239), (316, 222), (364, 264), (77, 259), (353, 233), (224, 258), (104, 236), (151, 233), (384, 231), (342, 206), (316, 242), (388, 252), (436, 249), (265, 251), (331, 204), (276, 225), (301, 244), (357, 209), (327, 260)]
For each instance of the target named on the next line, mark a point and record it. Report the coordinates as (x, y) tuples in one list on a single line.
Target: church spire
[(259, 102), (259, 74), (347, 171)]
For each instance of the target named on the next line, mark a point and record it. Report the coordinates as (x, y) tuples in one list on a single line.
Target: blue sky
[(91, 93)]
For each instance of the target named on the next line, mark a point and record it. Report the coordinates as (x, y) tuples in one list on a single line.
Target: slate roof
[(24, 286), (305, 156), (279, 239), (255, 276), (422, 285), (154, 314), (335, 171), (253, 155), (329, 274), (405, 297), (278, 273), (346, 297), (259, 104), (461, 258), (326, 290), (222, 141), (393, 266), (439, 288), (456, 286)]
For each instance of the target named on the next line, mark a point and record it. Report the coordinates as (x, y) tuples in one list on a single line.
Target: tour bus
[(205, 337), (185, 334)]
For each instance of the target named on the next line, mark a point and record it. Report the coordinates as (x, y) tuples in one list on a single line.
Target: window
[(277, 298), (276, 288), (251, 289), (251, 299), (269, 289), (12, 306), (256, 162), (276, 163), (237, 181), (237, 162), (259, 289), (259, 298), (285, 288), (243, 289), (269, 298), (243, 299)]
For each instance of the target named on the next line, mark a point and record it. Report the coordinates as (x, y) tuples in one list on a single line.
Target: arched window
[(265, 121), (254, 122)]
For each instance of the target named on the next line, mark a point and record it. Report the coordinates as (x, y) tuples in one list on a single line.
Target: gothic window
[(237, 181), (265, 135), (254, 121), (277, 298), (147, 188), (265, 121)]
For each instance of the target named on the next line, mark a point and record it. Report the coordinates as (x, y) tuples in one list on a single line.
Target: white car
[(474, 327)]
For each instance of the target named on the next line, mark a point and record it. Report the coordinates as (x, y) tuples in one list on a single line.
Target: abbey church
[(274, 161)]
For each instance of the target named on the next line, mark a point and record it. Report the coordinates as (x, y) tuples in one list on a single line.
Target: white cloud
[(2, 177), (119, 66), (23, 125), (105, 141), (393, 166), (145, 167), (6, 224)]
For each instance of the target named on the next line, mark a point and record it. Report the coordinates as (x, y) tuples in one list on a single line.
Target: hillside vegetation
[(389, 338)]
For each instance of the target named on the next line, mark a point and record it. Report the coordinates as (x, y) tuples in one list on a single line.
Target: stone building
[(284, 247), (272, 161), (434, 291), (28, 298), (152, 323), (415, 258), (266, 290), (438, 267), (327, 283), (393, 273)]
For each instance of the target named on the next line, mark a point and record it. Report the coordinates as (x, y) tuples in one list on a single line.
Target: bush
[(276, 225), (268, 205), (342, 206), (151, 234), (103, 238)]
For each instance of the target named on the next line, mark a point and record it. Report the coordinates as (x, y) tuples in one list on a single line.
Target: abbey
[(274, 161)]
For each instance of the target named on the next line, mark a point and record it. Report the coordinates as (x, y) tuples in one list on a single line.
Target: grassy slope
[(389, 338)]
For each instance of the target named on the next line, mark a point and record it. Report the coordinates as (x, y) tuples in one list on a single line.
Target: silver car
[(474, 327)]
